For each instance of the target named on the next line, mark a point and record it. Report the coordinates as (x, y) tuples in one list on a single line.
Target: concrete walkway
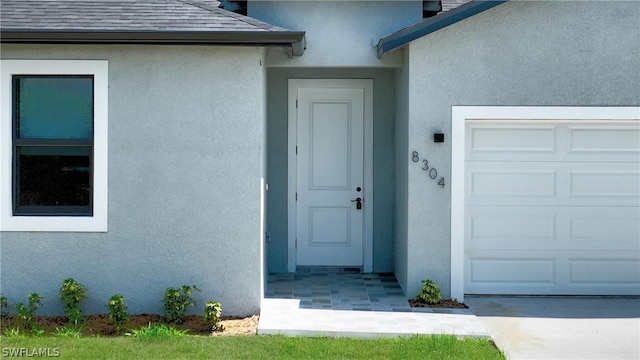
[(562, 327), (285, 316), (326, 302), (344, 302)]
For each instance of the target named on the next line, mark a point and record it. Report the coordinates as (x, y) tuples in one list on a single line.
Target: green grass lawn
[(255, 347)]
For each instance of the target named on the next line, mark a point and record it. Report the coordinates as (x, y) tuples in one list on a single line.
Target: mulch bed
[(448, 304), (99, 324)]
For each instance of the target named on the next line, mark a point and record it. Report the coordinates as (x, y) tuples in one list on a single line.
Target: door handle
[(358, 202)]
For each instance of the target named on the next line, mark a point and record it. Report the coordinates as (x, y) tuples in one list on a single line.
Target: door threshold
[(329, 270)]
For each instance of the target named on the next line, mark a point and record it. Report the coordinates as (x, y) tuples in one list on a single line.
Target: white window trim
[(95, 223), (459, 117)]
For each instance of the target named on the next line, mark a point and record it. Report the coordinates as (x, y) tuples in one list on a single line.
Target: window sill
[(54, 223)]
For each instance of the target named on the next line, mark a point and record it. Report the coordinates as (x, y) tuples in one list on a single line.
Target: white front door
[(330, 176)]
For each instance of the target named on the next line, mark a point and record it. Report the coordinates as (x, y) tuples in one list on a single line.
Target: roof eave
[(427, 26), (291, 39)]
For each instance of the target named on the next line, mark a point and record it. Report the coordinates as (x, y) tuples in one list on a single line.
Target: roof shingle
[(175, 22), (124, 15), (448, 5)]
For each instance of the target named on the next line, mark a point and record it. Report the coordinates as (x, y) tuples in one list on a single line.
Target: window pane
[(54, 176), (54, 107)]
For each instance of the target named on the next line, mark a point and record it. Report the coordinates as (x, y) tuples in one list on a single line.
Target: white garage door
[(552, 207)]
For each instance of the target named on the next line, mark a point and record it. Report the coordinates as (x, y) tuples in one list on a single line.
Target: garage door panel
[(552, 207), (552, 273), (552, 183), (510, 228), (603, 269), (604, 227), (505, 270), (530, 181), (604, 142), (603, 181), (524, 228), (500, 139), (499, 183), (537, 140)]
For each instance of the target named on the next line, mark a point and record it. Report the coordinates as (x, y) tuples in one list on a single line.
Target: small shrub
[(4, 306), (157, 331), (67, 332), (36, 331), (176, 302), (212, 314), (72, 293), (117, 311), (430, 292), (25, 313), (13, 332)]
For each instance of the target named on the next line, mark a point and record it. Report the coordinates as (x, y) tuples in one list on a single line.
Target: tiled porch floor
[(338, 289), (344, 302)]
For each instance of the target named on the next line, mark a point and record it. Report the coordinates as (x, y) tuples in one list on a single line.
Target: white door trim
[(459, 117), (367, 85)]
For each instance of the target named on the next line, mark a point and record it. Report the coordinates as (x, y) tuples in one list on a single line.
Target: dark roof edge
[(425, 27), (291, 39)]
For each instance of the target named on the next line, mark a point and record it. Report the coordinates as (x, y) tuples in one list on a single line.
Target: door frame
[(367, 86)]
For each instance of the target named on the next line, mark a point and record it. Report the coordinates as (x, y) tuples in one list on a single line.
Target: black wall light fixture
[(438, 137)]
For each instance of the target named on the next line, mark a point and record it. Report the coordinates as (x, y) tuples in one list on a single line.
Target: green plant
[(25, 313), (13, 332), (72, 293), (4, 306), (212, 314), (157, 331), (117, 311), (430, 292), (67, 332), (36, 330), (176, 302)]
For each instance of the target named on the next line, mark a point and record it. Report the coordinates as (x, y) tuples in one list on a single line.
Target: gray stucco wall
[(185, 154), (519, 53), (338, 33), (383, 157)]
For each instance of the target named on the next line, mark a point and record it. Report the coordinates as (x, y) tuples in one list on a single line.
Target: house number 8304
[(431, 171)]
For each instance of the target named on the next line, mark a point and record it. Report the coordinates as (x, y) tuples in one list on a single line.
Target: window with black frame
[(53, 143)]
